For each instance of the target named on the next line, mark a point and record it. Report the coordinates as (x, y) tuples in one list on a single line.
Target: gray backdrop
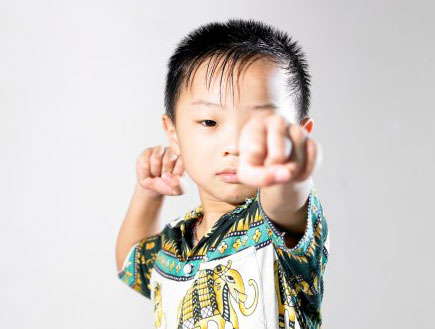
[(81, 95)]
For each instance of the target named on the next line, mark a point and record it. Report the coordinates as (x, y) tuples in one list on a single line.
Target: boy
[(253, 253)]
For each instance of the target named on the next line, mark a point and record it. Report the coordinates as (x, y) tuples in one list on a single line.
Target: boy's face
[(208, 147)]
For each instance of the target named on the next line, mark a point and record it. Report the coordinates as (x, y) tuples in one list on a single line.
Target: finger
[(311, 158), (176, 183), (253, 142), (143, 169), (278, 142), (168, 161), (298, 137), (178, 186), (292, 169), (258, 175), (157, 184), (287, 172), (178, 167), (156, 161)]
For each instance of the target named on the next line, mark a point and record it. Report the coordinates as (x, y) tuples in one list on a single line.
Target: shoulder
[(316, 229)]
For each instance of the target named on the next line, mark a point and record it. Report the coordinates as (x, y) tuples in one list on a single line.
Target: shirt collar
[(187, 223)]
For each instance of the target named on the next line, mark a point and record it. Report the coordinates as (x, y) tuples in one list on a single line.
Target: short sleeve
[(139, 263), (304, 265)]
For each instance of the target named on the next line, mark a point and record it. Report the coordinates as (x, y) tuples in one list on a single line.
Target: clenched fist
[(159, 171), (273, 151)]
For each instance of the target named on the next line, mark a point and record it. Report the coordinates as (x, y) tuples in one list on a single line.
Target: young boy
[(253, 253)]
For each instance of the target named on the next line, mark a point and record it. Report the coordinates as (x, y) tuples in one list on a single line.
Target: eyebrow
[(255, 107)]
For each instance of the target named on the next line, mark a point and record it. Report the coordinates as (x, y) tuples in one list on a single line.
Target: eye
[(230, 279), (209, 122)]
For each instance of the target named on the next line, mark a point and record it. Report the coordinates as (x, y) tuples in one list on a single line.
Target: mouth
[(228, 177)]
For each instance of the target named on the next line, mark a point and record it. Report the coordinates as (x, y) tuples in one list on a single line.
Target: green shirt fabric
[(242, 261)]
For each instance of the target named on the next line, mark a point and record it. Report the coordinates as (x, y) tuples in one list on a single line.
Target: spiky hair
[(238, 41)]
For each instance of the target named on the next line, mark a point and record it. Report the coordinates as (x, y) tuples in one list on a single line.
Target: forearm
[(286, 204), (141, 221)]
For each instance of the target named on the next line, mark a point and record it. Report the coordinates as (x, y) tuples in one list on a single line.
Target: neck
[(206, 224), (213, 208)]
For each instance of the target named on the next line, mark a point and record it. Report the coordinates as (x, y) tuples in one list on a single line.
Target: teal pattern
[(302, 267)]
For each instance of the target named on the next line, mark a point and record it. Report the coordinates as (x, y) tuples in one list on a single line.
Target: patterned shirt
[(241, 274)]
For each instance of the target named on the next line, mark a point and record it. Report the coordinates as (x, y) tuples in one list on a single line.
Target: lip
[(228, 171), (229, 175)]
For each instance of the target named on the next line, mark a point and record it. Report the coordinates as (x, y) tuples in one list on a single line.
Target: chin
[(237, 193)]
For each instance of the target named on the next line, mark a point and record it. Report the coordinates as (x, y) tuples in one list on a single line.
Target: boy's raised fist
[(159, 171), (274, 151)]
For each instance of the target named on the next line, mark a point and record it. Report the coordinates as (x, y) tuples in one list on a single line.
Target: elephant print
[(210, 297), (158, 306)]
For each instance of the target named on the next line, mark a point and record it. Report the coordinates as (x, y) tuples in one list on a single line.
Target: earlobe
[(166, 122)]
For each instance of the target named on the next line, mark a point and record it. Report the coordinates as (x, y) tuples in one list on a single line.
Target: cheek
[(199, 173), (199, 163), (199, 155), (198, 148)]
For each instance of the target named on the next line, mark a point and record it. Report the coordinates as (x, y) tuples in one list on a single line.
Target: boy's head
[(203, 127)]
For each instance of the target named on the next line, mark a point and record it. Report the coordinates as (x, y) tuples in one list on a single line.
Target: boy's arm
[(141, 221), (279, 158), (287, 206)]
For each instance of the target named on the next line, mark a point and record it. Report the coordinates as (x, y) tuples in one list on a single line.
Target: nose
[(230, 139), (231, 150)]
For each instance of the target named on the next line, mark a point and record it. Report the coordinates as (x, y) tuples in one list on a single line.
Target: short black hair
[(238, 40)]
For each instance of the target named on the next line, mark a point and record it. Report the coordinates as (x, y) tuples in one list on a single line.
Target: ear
[(308, 123), (171, 133)]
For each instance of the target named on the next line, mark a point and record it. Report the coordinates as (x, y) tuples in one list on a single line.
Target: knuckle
[(253, 123), (156, 154), (166, 161), (145, 154), (157, 149), (275, 156), (156, 161), (141, 156), (256, 119), (298, 133), (295, 130), (280, 121), (255, 149), (142, 164)]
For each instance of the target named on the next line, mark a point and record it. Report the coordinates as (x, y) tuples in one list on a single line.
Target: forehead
[(260, 81)]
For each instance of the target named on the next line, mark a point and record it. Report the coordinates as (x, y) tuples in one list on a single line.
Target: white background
[(81, 95)]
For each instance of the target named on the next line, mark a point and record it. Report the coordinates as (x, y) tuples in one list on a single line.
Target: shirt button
[(188, 268)]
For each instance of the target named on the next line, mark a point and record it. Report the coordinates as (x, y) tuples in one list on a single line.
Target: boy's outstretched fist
[(159, 171), (275, 151)]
